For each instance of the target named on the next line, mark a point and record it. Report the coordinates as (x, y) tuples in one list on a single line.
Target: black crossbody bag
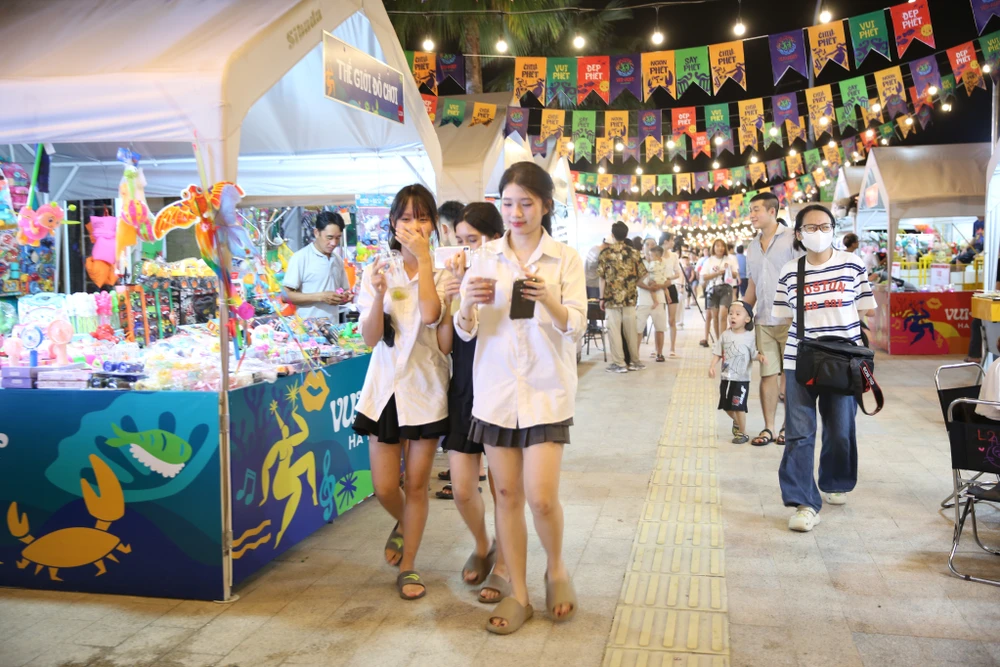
[(831, 364)]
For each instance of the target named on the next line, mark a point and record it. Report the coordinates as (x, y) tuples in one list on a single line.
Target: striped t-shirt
[(835, 291)]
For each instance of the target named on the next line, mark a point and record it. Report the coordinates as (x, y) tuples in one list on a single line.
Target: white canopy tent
[(992, 240), (472, 156), (848, 185), (247, 77)]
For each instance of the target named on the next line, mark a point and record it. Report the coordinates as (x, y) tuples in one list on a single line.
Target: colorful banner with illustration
[(451, 66), (631, 149), (723, 141), (775, 169), (605, 149), (625, 75), (716, 119), (819, 101), (607, 209), (529, 77), (539, 146), (693, 69), (910, 21), (684, 120), (794, 164), (564, 148), (785, 107), (561, 81), (483, 114), (112, 492), (679, 147), (517, 121), (354, 78), (788, 52), (853, 93), (720, 179), (584, 128), (647, 184), (982, 11), (659, 71), (453, 111), (772, 138), (751, 120), (683, 182), (430, 105), (828, 44), (425, 70), (739, 175), (552, 123), (665, 183), (891, 91), (727, 61), (650, 124), (990, 46), (869, 33), (700, 144), (930, 322), (593, 74), (702, 181), (758, 172), (296, 463), (654, 148), (605, 181), (796, 130), (615, 124), (965, 66)]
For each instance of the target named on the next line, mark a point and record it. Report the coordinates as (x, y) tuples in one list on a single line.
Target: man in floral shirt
[(620, 269)]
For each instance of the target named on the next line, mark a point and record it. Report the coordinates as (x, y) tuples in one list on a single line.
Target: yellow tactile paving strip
[(673, 605)]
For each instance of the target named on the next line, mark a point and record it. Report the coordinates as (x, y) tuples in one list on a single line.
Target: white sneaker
[(836, 498), (615, 368), (637, 366), (804, 519)]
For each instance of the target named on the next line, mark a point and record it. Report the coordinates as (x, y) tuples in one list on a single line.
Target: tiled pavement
[(868, 587)]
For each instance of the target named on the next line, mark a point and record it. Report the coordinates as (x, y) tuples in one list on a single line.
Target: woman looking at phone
[(478, 223), (524, 378), (404, 404)]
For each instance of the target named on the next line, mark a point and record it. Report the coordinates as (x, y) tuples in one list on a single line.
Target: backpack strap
[(863, 377)]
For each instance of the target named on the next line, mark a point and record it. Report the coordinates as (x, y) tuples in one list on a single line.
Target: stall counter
[(921, 323)]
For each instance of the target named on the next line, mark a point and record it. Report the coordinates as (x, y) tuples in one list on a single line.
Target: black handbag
[(831, 364)]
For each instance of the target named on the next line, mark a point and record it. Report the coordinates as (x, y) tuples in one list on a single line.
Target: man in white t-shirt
[(652, 298), (315, 280)]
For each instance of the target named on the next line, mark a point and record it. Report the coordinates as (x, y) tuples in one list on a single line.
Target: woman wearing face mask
[(404, 401), (837, 296), (524, 375), (478, 223)]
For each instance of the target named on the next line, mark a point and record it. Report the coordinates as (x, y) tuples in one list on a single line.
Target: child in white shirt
[(737, 348)]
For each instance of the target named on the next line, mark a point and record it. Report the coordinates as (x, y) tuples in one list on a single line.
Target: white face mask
[(818, 241)]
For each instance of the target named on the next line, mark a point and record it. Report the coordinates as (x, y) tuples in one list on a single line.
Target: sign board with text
[(354, 78)]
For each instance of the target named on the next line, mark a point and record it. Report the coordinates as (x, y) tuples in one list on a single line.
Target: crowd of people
[(479, 357)]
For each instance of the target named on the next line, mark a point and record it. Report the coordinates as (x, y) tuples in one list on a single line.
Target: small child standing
[(737, 347)]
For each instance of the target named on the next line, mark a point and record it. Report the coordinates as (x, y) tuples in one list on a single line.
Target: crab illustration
[(79, 545)]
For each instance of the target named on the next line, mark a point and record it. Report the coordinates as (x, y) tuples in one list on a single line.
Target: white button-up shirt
[(414, 369), (310, 271), (764, 269), (524, 371)]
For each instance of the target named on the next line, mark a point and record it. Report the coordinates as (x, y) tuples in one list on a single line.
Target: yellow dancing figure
[(286, 478)]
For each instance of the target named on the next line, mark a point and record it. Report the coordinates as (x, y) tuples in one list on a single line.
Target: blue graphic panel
[(296, 463)]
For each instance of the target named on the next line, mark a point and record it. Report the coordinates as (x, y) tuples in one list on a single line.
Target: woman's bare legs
[(385, 460), (542, 465), (506, 463), (465, 487), (420, 460)]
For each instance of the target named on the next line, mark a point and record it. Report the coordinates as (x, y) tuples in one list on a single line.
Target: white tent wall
[(471, 154), (992, 240), (246, 75)]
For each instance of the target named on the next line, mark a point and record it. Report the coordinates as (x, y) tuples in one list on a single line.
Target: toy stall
[(917, 219), (175, 431)]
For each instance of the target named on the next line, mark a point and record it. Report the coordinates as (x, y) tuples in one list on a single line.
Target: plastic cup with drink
[(484, 270)]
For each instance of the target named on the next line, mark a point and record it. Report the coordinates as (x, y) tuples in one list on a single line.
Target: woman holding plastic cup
[(528, 320), (404, 401)]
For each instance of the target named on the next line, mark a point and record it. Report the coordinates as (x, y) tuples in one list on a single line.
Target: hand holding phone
[(521, 307)]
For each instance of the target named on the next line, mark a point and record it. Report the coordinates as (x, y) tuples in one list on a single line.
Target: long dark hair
[(423, 205), (535, 180), (484, 218), (800, 218)]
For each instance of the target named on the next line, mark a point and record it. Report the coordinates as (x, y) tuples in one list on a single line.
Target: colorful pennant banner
[(869, 33), (828, 44), (593, 76), (982, 11), (788, 52), (692, 69), (454, 112), (561, 81), (727, 62), (625, 75), (483, 114), (910, 21), (529, 77), (516, 122)]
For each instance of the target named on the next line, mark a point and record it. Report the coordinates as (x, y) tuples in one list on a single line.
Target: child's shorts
[(733, 395)]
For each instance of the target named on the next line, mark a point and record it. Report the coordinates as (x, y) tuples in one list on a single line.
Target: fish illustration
[(160, 450)]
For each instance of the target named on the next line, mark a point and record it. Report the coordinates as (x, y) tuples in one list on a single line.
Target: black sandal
[(445, 476), (447, 493), (410, 578), (781, 437), (760, 440)]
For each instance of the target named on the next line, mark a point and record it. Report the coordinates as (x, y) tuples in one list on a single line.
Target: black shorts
[(672, 291), (388, 430), (733, 395)]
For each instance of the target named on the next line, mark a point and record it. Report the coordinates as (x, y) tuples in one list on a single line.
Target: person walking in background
[(620, 269), (405, 395), (479, 223), (675, 283), (836, 296), (316, 281), (652, 300), (524, 381), (448, 215), (741, 261), (851, 243), (690, 279), (718, 276), (769, 251)]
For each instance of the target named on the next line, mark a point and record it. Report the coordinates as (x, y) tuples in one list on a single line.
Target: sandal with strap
[(445, 475), (741, 439), (410, 578), (781, 437), (762, 440), (494, 582), (558, 593), (481, 565), (513, 612), (736, 430), (395, 544)]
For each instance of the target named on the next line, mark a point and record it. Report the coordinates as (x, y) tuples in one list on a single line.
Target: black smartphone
[(520, 307)]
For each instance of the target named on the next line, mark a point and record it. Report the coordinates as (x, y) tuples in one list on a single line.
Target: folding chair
[(947, 396), (595, 327), (975, 447)]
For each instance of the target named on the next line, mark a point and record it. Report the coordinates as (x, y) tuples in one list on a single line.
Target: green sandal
[(494, 582), (559, 593), (481, 565), (509, 610), (741, 439), (410, 578), (395, 544)]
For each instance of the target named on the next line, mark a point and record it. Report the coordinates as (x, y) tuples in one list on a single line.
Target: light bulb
[(501, 46), (870, 133), (825, 16), (932, 90), (739, 29), (677, 169), (718, 141), (715, 165), (946, 107), (792, 152), (670, 144), (578, 41), (753, 159), (635, 188), (824, 121), (570, 145), (826, 163), (729, 183), (601, 169), (773, 131), (856, 155), (744, 190), (428, 44), (832, 144), (876, 107), (638, 171), (619, 146), (986, 69), (657, 37), (908, 121), (885, 142)]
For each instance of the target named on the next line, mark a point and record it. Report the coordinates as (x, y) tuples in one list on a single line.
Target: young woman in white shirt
[(525, 381), (404, 402), (837, 296), (719, 273)]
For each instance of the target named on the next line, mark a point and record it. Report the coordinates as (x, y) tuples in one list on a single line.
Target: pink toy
[(102, 233), (103, 301), (36, 225), (12, 346), (60, 332)]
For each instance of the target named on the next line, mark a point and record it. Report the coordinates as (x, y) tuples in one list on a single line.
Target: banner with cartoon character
[(659, 71), (625, 75), (828, 44), (727, 62), (561, 75), (692, 69), (869, 33), (529, 77), (930, 322)]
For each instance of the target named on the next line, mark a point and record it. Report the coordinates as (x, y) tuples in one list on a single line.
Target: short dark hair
[(326, 218), (665, 238), (797, 244), (769, 199), (739, 249), (451, 210), (483, 217), (619, 230), (850, 240), (637, 242), (423, 204), (657, 250)]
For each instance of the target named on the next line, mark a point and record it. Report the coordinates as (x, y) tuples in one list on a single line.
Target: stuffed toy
[(102, 230), (36, 225)]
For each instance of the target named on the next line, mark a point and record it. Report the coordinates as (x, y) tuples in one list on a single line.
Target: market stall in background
[(203, 440), (919, 214), (845, 198)]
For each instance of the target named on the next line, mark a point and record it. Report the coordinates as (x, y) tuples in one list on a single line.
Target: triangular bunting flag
[(869, 33), (692, 69), (788, 52), (516, 122), (965, 67), (453, 111), (561, 81), (727, 62), (828, 45), (529, 77), (910, 21)]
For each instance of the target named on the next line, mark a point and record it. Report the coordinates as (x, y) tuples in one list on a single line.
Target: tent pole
[(994, 117)]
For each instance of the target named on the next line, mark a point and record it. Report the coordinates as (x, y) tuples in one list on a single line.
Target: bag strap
[(862, 371), (800, 306)]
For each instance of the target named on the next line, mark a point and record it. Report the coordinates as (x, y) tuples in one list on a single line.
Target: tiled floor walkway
[(677, 541)]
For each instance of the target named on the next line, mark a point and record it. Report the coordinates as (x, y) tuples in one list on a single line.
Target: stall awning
[(247, 76), (471, 153)]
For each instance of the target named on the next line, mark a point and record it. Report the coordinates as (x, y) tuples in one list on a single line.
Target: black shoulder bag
[(831, 364)]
